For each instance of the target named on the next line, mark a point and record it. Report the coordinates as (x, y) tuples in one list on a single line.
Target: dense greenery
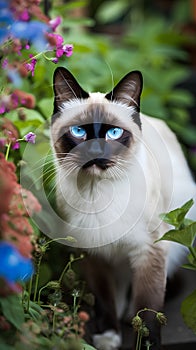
[(109, 39)]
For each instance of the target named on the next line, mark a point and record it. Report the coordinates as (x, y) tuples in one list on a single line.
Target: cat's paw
[(109, 340)]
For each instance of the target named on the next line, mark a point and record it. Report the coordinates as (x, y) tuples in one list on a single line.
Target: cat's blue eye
[(78, 132), (114, 133)]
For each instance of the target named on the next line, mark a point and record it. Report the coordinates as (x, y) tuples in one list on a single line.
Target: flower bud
[(137, 323), (145, 331), (161, 318), (89, 298), (69, 278), (54, 284)]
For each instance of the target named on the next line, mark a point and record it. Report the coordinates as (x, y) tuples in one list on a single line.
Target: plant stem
[(146, 309), (7, 151), (37, 277), (29, 293), (54, 321), (68, 265), (139, 338), (39, 293), (64, 270)]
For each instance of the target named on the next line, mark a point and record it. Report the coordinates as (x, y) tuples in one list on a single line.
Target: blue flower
[(6, 19), (33, 31), (14, 267)]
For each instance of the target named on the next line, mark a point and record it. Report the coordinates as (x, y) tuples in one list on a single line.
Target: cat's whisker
[(72, 166), (116, 172)]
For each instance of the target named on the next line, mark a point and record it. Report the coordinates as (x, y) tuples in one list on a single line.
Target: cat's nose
[(95, 149)]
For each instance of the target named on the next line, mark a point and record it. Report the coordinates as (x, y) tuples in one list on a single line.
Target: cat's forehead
[(95, 109)]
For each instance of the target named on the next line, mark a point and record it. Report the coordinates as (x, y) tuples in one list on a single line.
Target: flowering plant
[(26, 33), (33, 314)]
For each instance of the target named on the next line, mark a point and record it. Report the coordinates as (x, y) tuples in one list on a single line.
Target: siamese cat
[(117, 170)]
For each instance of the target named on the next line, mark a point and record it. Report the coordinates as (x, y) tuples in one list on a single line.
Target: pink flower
[(16, 145), (30, 137), (68, 50), (5, 63), (2, 142), (2, 109), (31, 66), (59, 52), (24, 16), (56, 41), (54, 23), (55, 60)]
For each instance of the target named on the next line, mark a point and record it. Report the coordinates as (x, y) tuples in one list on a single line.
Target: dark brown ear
[(66, 88), (128, 90)]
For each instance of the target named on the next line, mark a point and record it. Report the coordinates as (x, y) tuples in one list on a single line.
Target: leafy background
[(110, 38)]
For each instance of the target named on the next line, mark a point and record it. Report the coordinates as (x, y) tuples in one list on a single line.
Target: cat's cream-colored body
[(121, 214)]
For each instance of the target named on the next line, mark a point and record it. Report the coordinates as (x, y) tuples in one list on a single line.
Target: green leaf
[(86, 346), (176, 216), (111, 10), (188, 311), (35, 311), (5, 346), (185, 237), (46, 107), (191, 256), (189, 267), (12, 310)]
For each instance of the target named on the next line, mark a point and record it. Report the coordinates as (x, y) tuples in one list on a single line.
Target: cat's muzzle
[(101, 163)]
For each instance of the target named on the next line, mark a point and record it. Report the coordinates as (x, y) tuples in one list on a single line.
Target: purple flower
[(59, 52), (5, 63), (2, 109), (30, 137), (14, 267), (54, 23), (16, 146), (68, 50), (55, 60), (31, 65), (2, 142), (64, 49), (56, 41), (24, 16)]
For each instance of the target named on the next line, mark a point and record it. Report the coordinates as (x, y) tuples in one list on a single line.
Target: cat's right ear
[(65, 88), (128, 90)]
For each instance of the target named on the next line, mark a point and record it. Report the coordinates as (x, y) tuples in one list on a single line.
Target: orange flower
[(83, 316)]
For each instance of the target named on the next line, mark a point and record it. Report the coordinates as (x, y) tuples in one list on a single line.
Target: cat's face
[(95, 132)]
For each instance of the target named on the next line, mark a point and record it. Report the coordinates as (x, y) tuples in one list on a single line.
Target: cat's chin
[(94, 170)]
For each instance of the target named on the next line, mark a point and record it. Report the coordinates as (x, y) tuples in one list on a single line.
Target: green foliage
[(176, 217), (13, 311), (46, 323), (98, 62), (109, 11), (185, 230), (188, 310), (185, 234)]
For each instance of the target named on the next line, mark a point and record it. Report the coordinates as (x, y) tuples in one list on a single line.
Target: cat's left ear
[(66, 87), (128, 90)]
